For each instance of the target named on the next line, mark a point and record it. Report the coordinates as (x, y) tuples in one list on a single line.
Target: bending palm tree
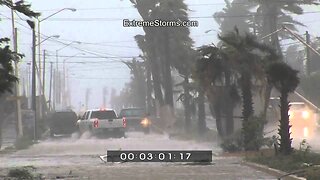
[(285, 80)]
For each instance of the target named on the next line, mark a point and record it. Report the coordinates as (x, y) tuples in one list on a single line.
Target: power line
[(99, 19), (81, 62), (98, 78), (132, 7)]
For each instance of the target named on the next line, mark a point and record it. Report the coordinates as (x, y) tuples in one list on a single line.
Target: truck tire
[(119, 133)]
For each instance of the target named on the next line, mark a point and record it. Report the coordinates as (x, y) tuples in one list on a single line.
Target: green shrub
[(313, 173), (21, 173), (254, 132), (233, 143)]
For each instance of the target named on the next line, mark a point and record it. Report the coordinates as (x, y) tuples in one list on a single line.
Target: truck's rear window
[(103, 114), (132, 113)]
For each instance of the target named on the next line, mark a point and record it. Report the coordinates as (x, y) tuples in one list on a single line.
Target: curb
[(272, 171)]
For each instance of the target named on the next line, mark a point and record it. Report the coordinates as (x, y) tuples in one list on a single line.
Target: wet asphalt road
[(74, 158)]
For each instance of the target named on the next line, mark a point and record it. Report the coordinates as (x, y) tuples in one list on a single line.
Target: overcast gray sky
[(98, 25)]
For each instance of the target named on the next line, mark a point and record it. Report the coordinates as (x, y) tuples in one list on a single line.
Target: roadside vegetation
[(247, 61), (179, 82), (301, 162), (7, 59), (25, 173)]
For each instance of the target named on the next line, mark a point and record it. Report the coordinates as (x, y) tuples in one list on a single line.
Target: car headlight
[(145, 122), (290, 114), (305, 114), (305, 132)]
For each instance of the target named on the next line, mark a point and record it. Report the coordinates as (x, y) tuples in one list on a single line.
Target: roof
[(100, 110)]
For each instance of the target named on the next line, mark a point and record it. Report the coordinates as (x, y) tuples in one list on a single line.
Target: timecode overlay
[(159, 156)]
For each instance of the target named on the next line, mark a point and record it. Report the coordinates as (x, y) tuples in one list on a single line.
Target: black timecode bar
[(159, 156)]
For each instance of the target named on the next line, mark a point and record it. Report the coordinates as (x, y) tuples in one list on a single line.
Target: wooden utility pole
[(104, 96), (34, 64), (43, 73), (87, 97), (54, 89), (50, 86), (308, 69), (17, 89)]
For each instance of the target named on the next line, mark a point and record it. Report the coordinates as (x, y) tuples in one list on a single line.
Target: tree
[(7, 79), (8, 57), (295, 58), (235, 14), (285, 80), (148, 44), (249, 59), (213, 72), (137, 86), (166, 47), (272, 15)]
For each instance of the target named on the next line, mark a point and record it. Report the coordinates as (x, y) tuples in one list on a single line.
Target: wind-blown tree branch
[(249, 58), (236, 14), (148, 44), (137, 85), (20, 6), (8, 57), (272, 15), (7, 79), (213, 72), (150, 70), (168, 47), (285, 80)]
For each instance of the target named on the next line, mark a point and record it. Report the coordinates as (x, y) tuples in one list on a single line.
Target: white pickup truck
[(102, 122)]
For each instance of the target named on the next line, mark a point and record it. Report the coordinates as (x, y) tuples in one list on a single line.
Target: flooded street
[(79, 158)]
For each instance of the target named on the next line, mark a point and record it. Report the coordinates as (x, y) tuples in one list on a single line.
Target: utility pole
[(104, 94), (17, 90), (43, 72), (87, 97), (34, 64), (308, 67), (50, 86), (54, 90)]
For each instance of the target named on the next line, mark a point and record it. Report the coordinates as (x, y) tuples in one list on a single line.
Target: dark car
[(62, 123), (136, 119)]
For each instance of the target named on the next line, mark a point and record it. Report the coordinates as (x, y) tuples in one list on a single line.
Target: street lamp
[(39, 37), (49, 37), (57, 51), (33, 87)]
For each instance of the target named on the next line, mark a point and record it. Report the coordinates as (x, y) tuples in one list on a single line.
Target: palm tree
[(235, 13), (152, 73), (272, 15), (285, 80), (248, 57), (148, 45), (167, 47), (138, 83), (213, 72)]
